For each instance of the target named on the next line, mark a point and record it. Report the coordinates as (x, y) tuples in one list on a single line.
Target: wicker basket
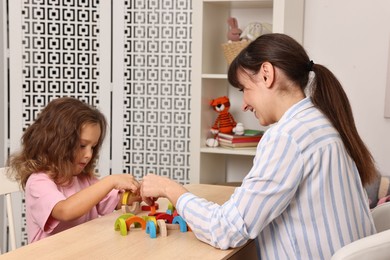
[(232, 49)]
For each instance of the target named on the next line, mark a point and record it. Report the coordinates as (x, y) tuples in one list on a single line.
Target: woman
[(304, 196)]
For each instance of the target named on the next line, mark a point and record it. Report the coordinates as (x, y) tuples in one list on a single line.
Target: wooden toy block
[(168, 218), (134, 220), (120, 224), (150, 208), (171, 207), (125, 197), (151, 229), (172, 226), (134, 208), (162, 227), (181, 222), (153, 208), (150, 218), (156, 213)]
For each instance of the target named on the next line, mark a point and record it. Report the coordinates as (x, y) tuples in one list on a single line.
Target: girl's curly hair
[(50, 144)]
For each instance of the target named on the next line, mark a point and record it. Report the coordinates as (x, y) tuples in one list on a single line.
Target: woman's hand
[(154, 187)]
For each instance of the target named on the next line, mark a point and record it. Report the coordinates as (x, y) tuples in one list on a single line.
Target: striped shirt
[(302, 199)]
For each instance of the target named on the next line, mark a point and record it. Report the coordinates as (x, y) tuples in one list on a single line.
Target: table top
[(97, 238)]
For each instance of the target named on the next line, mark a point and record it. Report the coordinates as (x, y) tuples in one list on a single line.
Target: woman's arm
[(154, 186)]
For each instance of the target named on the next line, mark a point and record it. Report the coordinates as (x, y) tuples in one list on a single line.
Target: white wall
[(352, 38)]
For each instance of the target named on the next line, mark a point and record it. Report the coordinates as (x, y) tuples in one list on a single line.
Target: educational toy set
[(153, 223)]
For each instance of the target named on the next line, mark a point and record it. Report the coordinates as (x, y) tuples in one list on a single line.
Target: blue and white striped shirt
[(302, 199)]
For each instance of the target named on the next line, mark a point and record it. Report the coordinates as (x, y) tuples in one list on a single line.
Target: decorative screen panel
[(60, 57), (157, 88), (60, 53)]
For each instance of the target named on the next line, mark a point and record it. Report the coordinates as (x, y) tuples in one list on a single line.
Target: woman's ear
[(267, 73)]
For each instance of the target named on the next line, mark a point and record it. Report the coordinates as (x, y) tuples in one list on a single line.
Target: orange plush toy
[(225, 121)]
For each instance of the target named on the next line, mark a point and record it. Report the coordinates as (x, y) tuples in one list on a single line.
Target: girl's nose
[(88, 153)]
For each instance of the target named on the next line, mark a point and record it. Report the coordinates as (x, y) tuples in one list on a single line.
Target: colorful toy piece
[(162, 227), (134, 207), (150, 208), (135, 220), (153, 223), (120, 223), (151, 229), (168, 218), (181, 222)]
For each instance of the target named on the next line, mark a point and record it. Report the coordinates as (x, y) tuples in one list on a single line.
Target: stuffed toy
[(254, 30), (225, 121), (234, 32)]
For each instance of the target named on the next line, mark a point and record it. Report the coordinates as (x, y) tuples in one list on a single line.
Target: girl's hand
[(125, 182)]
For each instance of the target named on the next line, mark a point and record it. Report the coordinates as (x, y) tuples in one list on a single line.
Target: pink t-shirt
[(42, 194)]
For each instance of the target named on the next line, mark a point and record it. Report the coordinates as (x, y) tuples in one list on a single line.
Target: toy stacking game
[(153, 223)]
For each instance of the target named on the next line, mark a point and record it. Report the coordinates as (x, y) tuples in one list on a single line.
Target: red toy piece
[(168, 218), (149, 208)]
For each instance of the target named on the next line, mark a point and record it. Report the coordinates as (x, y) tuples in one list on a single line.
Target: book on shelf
[(240, 140), (239, 145), (249, 136)]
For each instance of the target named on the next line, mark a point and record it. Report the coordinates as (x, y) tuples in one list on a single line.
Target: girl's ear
[(267, 73)]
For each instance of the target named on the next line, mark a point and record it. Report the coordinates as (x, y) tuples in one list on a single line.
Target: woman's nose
[(246, 107)]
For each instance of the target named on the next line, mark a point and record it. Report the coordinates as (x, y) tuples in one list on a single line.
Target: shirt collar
[(297, 108)]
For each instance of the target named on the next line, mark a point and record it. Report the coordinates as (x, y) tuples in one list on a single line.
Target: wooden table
[(97, 239)]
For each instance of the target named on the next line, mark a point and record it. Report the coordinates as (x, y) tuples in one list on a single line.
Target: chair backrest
[(7, 187), (381, 217), (374, 247)]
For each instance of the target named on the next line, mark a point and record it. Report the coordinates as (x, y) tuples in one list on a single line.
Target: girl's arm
[(83, 201)]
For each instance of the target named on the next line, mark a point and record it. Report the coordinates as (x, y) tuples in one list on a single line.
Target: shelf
[(210, 27), (236, 151), (214, 76), (242, 4)]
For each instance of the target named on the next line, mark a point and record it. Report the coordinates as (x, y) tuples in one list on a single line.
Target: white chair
[(374, 247), (7, 187), (381, 216)]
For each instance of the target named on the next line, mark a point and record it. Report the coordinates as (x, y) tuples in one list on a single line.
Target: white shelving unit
[(209, 68)]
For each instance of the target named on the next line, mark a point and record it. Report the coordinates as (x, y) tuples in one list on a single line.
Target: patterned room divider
[(137, 72)]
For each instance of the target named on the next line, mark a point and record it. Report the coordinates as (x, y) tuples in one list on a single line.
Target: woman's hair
[(327, 93), (51, 143)]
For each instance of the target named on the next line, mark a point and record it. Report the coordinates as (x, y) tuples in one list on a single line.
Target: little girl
[(56, 165)]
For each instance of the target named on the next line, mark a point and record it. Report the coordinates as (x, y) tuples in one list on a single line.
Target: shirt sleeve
[(108, 203), (264, 194), (42, 195)]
